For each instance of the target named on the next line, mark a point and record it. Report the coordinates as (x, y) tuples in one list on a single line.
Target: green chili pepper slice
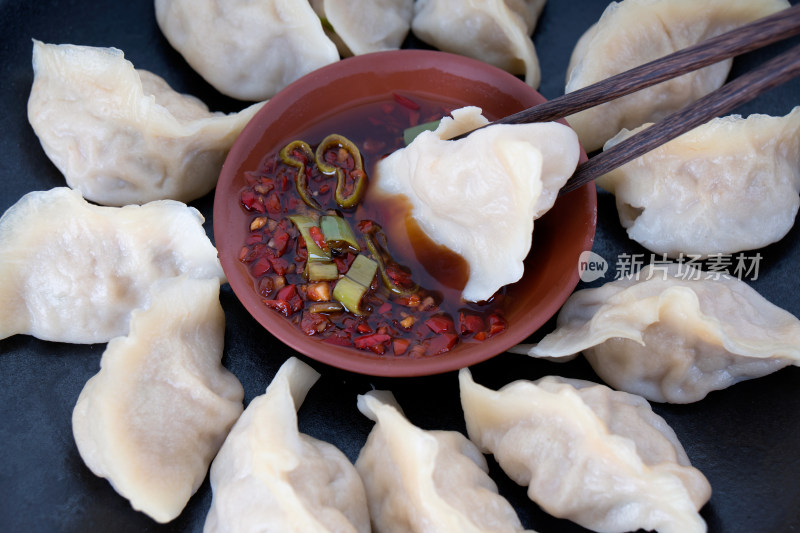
[(298, 154), (325, 307), (336, 141), (375, 239)]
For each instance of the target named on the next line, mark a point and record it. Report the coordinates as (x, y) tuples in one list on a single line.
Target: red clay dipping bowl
[(551, 269)]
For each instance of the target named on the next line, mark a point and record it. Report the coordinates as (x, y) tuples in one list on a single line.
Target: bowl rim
[(348, 358)]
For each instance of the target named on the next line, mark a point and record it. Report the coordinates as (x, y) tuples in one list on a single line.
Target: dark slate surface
[(745, 439)]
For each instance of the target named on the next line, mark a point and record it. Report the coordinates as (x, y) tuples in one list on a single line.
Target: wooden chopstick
[(742, 89), (757, 34)]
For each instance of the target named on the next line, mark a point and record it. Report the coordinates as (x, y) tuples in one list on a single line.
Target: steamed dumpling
[(674, 335), (71, 271), (270, 477), (479, 196), (729, 185), (596, 456), (155, 415), (247, 50), (633, 32), (497, 32), (123, 136), (364, 26), (426, 481)]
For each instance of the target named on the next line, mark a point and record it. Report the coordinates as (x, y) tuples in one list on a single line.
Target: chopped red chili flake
[(339, 339), (260, 267), (272, 204), (399, 277), (368, 341), (284, 183), (399, 346), (300, 156), (253, 202), (251, 253), (279, 241), (291, 297), (289, 291), (469, 323), (405, 102), (314, 323), (280, 265), (441, 344), (496, 324), (255, 238), (440, 324), (319, 238), (281, 306), (265, 286), (343, 262), (365, 226)]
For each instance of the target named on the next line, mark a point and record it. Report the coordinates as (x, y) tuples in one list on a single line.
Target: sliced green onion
[(338, 234), (356, 282), (321, 271), (349, 294), (304, 223), (409, 134), (362, 270)]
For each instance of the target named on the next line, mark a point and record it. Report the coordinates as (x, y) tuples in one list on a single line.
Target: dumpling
[(123, 136), (426, 481), (596, 456), (155, 415), (479, 196), (633, 32), (494, 31), (361, 27), (247, 50), (674, 333), (270, 477), (71, 271), (729, 185)]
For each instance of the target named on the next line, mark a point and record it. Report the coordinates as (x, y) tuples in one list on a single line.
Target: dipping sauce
[(386, 287)]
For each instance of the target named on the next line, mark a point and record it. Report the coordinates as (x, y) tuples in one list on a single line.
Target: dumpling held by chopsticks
[(479, 196)]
